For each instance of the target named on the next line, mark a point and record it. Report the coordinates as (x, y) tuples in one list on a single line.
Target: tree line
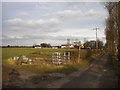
[(112, 30), (86, 45)]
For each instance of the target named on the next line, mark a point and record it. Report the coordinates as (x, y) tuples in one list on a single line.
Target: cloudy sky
[(28, 23)]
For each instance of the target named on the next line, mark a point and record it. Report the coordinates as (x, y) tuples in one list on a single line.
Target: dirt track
[(99, 74)]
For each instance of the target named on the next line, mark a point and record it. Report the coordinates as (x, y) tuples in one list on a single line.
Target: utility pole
[(85, 39), (79, 43), (96, 37), (68, 42)]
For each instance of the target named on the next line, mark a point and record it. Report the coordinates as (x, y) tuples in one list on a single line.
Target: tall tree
[(113, 28), (118, 22)]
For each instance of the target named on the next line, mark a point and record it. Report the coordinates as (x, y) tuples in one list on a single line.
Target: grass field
[(11, 52)]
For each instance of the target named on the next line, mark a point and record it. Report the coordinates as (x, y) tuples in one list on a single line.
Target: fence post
[(59, 58), (79, 53), (68, 55), (64, 56)]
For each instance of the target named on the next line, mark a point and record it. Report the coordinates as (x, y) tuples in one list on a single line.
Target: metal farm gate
[(57, 58), (60, 57)]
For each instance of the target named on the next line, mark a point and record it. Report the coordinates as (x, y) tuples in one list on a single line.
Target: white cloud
[(47, 14), (78, 14), (42, 25), (39, 6), (69, 14), (81, 32), (54, 23), (23, 14), (76, 5), (14, 21), (12, 37)]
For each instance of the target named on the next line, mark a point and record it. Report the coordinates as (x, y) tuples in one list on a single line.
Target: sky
[(29, 23)]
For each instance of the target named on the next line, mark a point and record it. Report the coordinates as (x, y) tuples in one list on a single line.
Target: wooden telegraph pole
[(79, 48), (79, 43), (96, 37), (68, 42)]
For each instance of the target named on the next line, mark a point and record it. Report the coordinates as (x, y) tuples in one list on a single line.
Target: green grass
[(45, 52), (69, 68), (8, 53), (11, 52)]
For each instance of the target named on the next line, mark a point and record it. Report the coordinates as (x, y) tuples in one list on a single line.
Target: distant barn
[(67, 46)]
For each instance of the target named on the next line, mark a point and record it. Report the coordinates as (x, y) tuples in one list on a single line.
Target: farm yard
[(36, 66)]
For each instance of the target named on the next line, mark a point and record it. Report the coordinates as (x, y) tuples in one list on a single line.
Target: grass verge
[(116, 65)]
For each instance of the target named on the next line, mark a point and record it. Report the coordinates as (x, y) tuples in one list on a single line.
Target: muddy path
[(26, 79), (99, 74)]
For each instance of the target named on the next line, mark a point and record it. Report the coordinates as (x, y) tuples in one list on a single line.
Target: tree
[(92, 44), (36, 46), (8, 46), (113, 28), (118, 22), (45, 45)]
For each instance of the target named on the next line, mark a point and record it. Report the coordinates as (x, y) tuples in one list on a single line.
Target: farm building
[(67, 46), (55, 47), (37, 47)]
